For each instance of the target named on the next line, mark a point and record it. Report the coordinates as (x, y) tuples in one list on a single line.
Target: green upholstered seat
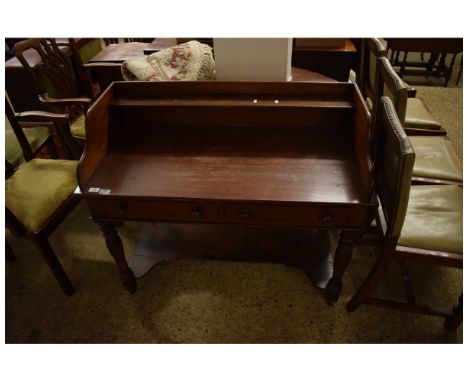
[(77, 128), (418, 116), (434, 219), (36, 136), (38, 188), (434, 160)]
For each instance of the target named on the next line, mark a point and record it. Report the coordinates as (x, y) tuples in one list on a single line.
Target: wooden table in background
[(331, 62), (438, 48)]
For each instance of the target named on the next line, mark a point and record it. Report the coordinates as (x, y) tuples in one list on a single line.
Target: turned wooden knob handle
[(244, 213), (121, 208), (327, 216), (197, 212)]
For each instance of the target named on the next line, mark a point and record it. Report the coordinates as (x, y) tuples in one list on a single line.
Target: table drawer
[(153, 210), (291, 215)]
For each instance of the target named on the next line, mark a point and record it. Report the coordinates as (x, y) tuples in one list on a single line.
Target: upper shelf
[(234, 94), (251, 101)]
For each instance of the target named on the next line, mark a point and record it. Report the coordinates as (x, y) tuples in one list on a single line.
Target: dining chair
[(421, 223), (436, 159), (415, 112), (57, 84), (39, 195)]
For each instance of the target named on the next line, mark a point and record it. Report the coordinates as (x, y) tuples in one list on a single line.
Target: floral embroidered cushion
[(190, 61)]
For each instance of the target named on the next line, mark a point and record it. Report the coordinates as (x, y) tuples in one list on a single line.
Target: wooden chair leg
[(456, 319), (373, 278), (54, 264), (9, 254), (403, 65), (459, 72)]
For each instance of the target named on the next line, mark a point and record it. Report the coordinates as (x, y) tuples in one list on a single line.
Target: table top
[(433, 45), (121, 52), (282, 165), (348, 47)]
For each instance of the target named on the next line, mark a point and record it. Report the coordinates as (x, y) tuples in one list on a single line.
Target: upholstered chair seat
[(77, 128), (38, 188), (418, 116), (434, 159), (434, 219), (36, 137)]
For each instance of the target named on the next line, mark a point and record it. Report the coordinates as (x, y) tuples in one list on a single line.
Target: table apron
[(317, 215)]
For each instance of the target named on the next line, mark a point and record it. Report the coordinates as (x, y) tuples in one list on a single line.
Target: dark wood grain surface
[(249, 153), (295, 164)]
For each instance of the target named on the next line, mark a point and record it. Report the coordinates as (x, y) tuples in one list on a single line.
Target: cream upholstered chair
[(436, 160), (415, 112), (39, 195), (58, 83), (412, 111), (421, 222)]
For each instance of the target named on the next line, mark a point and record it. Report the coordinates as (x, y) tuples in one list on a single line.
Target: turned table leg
[(115, 247), (343, 254)]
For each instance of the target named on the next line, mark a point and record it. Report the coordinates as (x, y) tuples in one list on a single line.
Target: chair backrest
[(23, 141), (389, 84), (371, 50), (85, 78), (56, 76), (394, 166)]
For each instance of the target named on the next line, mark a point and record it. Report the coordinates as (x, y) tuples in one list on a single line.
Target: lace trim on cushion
[(206, 65)]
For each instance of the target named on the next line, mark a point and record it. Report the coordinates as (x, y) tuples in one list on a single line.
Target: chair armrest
[(60, 123), (40, 116), (80, 101), (414, 131), (411, 92)]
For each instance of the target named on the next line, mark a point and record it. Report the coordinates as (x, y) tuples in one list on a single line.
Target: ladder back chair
[(417, 223), (39, 195), (57, 83), (436, 159)]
